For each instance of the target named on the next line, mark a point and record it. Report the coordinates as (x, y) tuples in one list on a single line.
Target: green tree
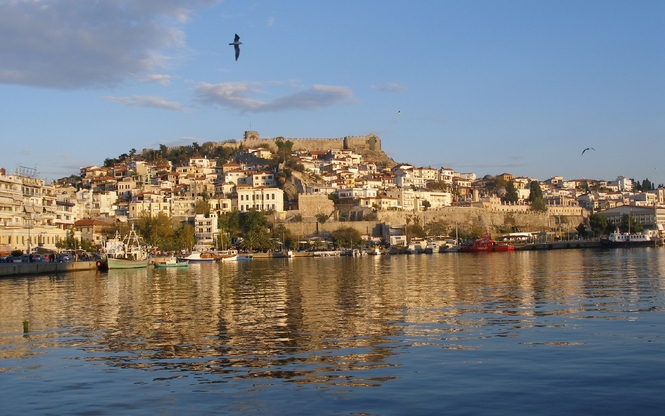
[(69, 243), (581, 230), (109, 162), (434, 228), (186, 237), (598, 223), (647, 185), (202, 206), (629, 224), (253, 220), (346, 237), (511, 193), (282, 234), (416, 230), (536, 197), (438, 186), (163, 151), (535, 192), (539, 205), (284, 150), (321, 218), (196, 149), (229, 222), (163, 233)]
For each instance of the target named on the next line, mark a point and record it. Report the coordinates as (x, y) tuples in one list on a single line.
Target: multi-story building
[(247, 197), (652, 218), (205, 229), (11, 200)]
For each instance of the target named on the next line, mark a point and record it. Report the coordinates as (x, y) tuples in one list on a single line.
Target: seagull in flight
[(236, 45), (588, 148)]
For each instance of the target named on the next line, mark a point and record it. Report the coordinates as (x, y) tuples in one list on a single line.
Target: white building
[(261, 198), (205, 229)]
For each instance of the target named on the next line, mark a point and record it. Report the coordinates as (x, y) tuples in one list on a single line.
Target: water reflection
[(336, 321)]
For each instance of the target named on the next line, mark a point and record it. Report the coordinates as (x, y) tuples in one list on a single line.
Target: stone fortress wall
[(356, 143)]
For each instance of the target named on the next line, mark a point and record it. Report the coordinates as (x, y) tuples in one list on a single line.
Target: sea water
[(553, 332)]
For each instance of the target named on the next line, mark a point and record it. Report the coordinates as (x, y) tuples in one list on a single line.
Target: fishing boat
[(198, 257), (227, 255), (450, 246), (171, 262), (631, 240), (485, 244), (376, 251), (432, 247), (125, 253)]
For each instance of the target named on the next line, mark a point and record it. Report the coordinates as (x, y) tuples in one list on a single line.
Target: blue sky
[(480, 86)]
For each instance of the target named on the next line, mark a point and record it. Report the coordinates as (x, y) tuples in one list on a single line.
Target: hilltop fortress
[(358, 144)]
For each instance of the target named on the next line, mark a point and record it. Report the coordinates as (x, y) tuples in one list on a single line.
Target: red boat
[(486, 245)]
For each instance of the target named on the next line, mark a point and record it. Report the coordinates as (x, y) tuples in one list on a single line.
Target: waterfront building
[(205, 229), (652, 218), (261, 198)]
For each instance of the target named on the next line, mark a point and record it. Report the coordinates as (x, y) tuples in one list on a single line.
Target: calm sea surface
[(557, 332)]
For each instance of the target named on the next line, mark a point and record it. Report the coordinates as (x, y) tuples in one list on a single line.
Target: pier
[(25, 269)]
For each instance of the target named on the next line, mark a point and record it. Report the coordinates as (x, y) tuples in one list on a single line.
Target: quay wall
[(24, 269), (465, 218)]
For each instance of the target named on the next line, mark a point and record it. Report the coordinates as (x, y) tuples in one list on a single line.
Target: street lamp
[(32, 217)]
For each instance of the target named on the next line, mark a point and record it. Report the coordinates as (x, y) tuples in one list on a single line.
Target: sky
[(487, 87)]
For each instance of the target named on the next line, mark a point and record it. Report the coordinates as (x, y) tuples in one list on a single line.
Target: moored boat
[(226, 255), (485, 244), (198, 257), (171, 262), (126, 253), (376, 251), (631, 240), (432, 247), (326, 253), (283, 254), (452, 247)]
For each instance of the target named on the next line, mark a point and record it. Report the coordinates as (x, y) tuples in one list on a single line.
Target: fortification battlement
[(369, 142)]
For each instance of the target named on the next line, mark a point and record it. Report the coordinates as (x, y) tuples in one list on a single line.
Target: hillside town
[(304, 189)]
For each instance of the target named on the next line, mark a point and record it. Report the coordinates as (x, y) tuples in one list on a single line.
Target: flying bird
[(236, 45), (588, 148), (399, 112)]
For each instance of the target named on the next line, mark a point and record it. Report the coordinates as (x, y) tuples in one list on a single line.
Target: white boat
[(226, 255), (432, 247), (198, 257), (228, 258), (631, 240), (326, 253), (374, 251)]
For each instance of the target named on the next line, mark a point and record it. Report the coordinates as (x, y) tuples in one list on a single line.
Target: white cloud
[(147, 101), (161, 79), (237, 96), (89, 44), (392, 87)]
